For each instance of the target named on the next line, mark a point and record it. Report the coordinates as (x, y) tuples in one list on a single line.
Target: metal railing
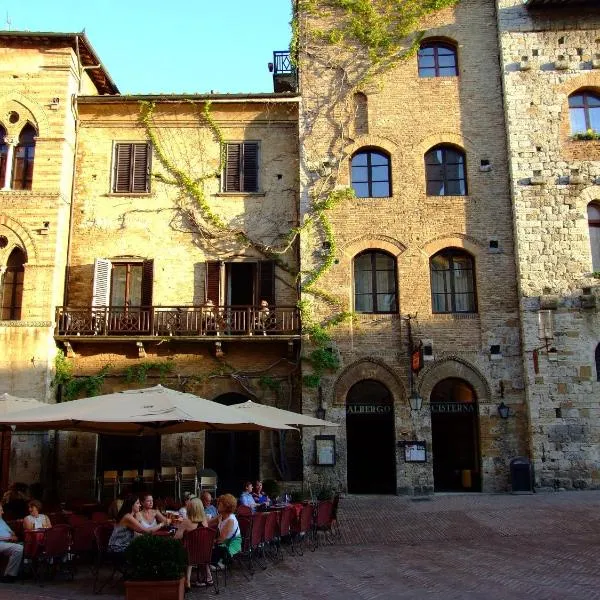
[(282, 63), (186, 321)]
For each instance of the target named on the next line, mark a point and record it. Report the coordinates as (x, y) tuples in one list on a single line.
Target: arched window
[(23, 165), (3, 153), (593, 213), (12, 286), (452, 282), (437, 59), (445, 169), (584, 111), (371, 174), (375, 283), (598, 362)]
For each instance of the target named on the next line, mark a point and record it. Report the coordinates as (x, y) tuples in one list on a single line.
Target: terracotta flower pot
[(155, 590)]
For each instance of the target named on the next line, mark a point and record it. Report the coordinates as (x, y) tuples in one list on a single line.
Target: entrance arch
[(370, 435), (455, 436), (233, 455)]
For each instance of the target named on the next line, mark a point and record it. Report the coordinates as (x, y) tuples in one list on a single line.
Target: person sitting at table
[(246, 498), (195, 518), (15, 500), (209, 508), (259, 496), (10, 549), (148, 516), (229, 538), (187, 496), (36, 520), (127, 526)]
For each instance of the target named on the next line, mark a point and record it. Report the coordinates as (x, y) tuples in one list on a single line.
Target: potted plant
[(155, 568)]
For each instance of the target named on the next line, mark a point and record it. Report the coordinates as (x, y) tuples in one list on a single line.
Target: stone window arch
[(453, 282), (371, 173), (446, 171), (12, 285), (593, 214), (375, 287), (584, 111)]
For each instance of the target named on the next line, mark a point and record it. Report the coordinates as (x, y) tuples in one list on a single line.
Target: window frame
[(436, 45), (241, 166), (450, 253), (374, 292), (368, 151), (444, 164), (131, 175), (595, 224), (586, 109)]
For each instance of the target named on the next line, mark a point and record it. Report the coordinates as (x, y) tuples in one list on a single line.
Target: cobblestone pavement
[(541, 546)]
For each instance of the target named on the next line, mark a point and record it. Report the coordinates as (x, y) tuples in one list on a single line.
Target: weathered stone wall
[(406, 115), (553, 245)]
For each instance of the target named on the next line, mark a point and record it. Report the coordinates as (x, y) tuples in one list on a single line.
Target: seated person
[(187, 496), (36, 520), (15, 500), (10, 549), (195, 518), (246, 498), (148, 516), (127, 526), (209, 509), (229, 538), (259, 496)]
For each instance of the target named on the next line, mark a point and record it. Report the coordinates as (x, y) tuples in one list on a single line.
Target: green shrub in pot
[(155, 558)]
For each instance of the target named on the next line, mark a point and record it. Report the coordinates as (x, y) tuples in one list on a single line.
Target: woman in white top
[(35, 520), (229, 539), (148, 517)]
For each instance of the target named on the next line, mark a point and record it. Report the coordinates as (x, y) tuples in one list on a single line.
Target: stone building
[(423, 255), (551, 75)]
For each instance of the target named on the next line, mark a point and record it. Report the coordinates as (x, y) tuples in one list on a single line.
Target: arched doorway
[(233, 455), (371, 455), (455, 436)]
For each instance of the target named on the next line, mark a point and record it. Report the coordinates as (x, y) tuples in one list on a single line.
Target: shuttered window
[(266, 281), (132, 168), (241, 168), (211, 282)]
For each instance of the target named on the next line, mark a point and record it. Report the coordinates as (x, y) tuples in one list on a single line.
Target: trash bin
[(521, 475)]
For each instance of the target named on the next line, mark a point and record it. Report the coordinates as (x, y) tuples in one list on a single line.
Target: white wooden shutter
[(101, 286)]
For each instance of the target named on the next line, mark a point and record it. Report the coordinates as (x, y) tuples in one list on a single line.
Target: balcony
[(184, 322), (285, 76)]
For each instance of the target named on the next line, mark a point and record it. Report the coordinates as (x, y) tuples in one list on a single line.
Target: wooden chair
[(207, 483), (199, 546)]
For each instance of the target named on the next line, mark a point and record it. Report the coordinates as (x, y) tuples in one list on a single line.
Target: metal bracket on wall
[(141, 349)]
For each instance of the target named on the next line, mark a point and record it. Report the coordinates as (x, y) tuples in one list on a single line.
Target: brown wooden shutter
[(232, 168), (211, 281), (147, 282), (266, 281), (140, 168), (122, 177), (250, 169)]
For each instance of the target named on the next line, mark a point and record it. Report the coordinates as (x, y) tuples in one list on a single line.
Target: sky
[(169, 46)]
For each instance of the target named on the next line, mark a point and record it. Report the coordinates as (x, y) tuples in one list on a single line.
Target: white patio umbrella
[(9, 404), (150, 411), (285, 417)]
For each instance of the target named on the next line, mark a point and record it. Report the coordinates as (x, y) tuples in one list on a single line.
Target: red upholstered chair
[(74, 519), (304, 528), (323, 522), (243, 510), (271, 536), (83, 543), (100, 517), (287, 517), (199, 546), (55, 554), (257, 532)]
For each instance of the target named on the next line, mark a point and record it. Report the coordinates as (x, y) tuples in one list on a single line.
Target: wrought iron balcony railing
[(187, 321), (284, 72)]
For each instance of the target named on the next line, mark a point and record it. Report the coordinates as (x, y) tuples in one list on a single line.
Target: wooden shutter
[(211, 281), (147, 282), (250, 167), (140, 168), (266, 281), (122, 176), (101, 285), (232, 168)]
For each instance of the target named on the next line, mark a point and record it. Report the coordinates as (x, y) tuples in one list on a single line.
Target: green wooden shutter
[(250, 167)]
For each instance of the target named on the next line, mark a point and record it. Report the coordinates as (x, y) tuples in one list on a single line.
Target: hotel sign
[(452, 407), (367, 409)]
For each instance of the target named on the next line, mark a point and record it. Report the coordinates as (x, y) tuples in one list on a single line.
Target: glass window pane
[(593, 100), (380, 173), (363, 304), (119, 280), (361, 190), (593, 212), (360, 159), (386, 302), (454, 188), (380, 190), (385, 282), (595, 247), (426, 61), (594, 114), (426, 72), (378, 159), (363, 262), (577, 120), (576, 100), (426, 51), (444, 51), (448, 71), (360, 174), (135, 285), (435, 172), (435, 188), (446, 61), (384, 262), (440, 263), (434, 157)]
